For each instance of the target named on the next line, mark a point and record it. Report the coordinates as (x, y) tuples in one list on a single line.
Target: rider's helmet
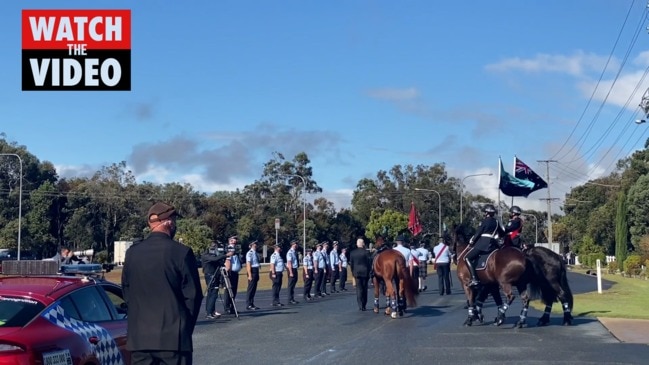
[(489, 209), (515, 210)]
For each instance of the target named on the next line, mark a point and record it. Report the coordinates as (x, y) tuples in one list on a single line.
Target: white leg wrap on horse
[(548, 309), (566, 307)]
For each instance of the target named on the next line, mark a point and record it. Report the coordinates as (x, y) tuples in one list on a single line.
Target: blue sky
[(361, 86)]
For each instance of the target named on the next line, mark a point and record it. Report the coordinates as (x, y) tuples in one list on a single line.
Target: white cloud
[(579, 64), (627, 90), (394, 94)]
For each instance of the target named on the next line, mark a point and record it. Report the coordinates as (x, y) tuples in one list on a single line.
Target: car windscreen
[(17, 312)]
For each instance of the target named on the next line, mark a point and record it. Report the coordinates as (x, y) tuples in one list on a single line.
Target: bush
[(632, 265), (101, 257), (612, 267), (590, 260)]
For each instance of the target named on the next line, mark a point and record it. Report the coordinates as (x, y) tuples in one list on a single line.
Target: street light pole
[(303, 210), (439, 207), (462, 191), (20, 196), (536, 224)]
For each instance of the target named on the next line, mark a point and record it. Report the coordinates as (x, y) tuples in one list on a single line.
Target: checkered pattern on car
[(106, 349)]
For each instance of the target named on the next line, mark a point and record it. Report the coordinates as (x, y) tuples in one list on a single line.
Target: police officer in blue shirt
[(319, 269), (252, 268), (276, 273), (334, 265), (327, 270), (307, 265), (233, 266), (292, 264)]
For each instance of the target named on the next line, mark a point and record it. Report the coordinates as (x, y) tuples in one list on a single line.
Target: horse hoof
[(543, 321), (567, 323), (393, 315), (376, 310), (468, 323), (499, 321), (481, 318), (400, 313)]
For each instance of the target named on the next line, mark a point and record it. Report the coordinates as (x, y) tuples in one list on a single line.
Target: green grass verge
[(627, 298)]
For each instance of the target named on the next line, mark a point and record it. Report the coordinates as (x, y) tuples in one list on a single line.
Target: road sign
[(276, 223)]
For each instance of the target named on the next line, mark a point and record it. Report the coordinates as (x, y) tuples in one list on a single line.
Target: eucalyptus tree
[(638, 206)]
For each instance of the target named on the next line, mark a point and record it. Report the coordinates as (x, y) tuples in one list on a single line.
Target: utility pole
[(549, 199)]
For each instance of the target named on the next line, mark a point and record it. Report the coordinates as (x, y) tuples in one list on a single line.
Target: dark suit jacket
[(360, 262), (163, 293)]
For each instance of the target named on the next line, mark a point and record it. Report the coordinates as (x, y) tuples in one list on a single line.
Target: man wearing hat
[(319, 269), (307, 265), (163, 292), (276, 273), (233, 266), (292, 264), (252, 268), (327, 269)]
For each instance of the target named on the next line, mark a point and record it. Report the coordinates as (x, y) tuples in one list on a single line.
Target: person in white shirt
[(405, 252), (443, 266), (424, 257)]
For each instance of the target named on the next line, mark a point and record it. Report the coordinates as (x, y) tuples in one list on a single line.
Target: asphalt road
[(333, 331)]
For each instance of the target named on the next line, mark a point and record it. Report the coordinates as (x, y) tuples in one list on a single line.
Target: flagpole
[(514, 170), (500, 164)]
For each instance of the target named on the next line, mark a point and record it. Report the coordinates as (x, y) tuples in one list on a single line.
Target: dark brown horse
[(390, 268), (506, 267)]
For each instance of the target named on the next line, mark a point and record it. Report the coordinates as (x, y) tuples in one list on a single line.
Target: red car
[(71, 318)]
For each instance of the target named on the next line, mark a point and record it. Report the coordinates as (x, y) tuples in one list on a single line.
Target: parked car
[(75, 317)]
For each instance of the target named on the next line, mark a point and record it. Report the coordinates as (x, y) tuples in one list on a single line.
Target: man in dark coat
[(163, 293), (359, 260)]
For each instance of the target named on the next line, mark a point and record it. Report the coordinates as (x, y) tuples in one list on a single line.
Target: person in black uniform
[(163, 292), (359, 260), (212, 261), (483, 241), (514, 227)]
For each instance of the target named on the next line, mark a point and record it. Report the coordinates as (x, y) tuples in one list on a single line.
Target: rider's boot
[(474, 276)]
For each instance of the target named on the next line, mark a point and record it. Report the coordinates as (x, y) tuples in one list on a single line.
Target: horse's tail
[(539, 286), (410, 285)]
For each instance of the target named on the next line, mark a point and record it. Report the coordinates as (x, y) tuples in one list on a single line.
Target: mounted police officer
[(514, 227), (483, 241)]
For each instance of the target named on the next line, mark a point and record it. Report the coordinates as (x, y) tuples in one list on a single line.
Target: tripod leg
[(228, 286)]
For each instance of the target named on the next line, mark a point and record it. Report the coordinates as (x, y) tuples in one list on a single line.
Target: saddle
[(481, 263)]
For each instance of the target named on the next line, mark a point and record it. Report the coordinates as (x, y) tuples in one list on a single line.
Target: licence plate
[(62, 357)]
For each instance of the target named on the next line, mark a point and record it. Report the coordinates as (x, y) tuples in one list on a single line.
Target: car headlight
[(9, 347)]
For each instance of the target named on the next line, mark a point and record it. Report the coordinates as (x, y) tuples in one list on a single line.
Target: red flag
[(413, 221)]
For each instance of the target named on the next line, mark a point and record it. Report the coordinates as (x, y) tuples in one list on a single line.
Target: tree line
[(95, 211)]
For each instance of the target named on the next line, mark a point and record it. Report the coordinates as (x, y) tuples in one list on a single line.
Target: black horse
[(551, 282)]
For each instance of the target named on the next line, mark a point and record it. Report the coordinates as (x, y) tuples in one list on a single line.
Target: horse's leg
[(391, 310), (525, 298), (545, 318), (470, 298), (479, 302), (375, 281), (401, 295), (502, 310), (564, 296)]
